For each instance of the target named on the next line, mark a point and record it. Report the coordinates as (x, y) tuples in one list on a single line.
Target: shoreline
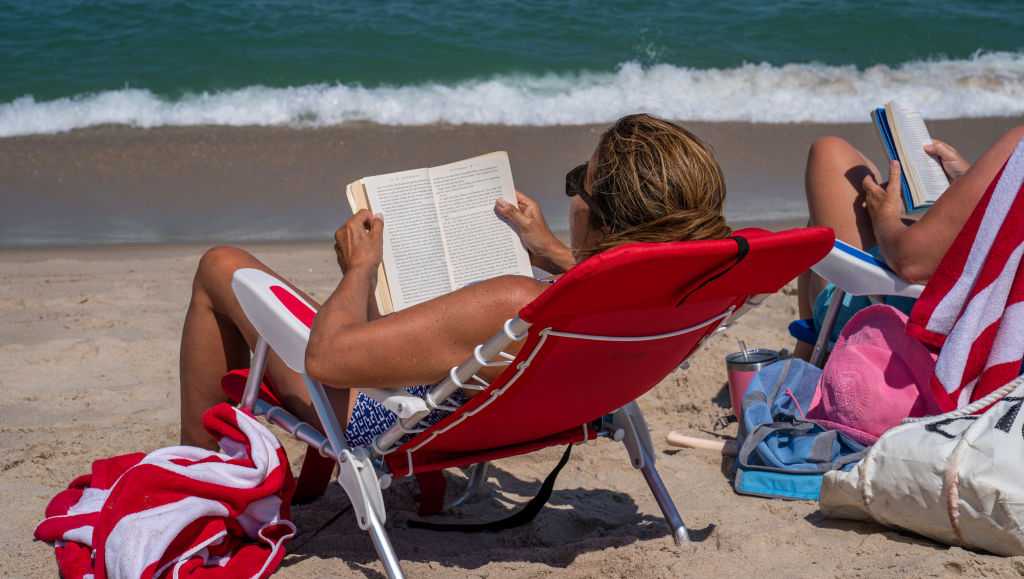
[(211, 184), (96, 250)]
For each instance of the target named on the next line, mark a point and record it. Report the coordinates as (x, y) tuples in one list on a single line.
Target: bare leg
[(217, 337), (835, 170)]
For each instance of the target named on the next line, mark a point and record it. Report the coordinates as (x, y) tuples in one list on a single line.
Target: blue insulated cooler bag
[(782, 455)]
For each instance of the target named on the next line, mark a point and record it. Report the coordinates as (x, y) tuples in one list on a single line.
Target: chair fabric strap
[(742, 250), (526, 514)]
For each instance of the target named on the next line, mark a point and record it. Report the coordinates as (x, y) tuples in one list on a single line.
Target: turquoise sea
[(69, 64), (397, 85)]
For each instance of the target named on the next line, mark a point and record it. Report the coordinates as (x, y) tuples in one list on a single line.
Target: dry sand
[(88, 347)]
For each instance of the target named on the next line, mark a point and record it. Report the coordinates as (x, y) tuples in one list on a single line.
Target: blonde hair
[(655, 181)]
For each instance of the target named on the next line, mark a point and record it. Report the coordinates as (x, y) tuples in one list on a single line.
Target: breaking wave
[(987, 84)]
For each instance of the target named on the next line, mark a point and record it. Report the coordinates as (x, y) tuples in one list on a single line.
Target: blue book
[(903, 134)]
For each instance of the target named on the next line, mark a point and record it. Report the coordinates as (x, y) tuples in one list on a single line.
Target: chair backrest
[(606, 333)]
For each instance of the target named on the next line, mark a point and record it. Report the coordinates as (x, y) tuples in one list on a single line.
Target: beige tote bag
[(957, 478)]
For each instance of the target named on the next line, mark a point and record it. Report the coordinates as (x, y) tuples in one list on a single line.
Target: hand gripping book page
[(440, 229)]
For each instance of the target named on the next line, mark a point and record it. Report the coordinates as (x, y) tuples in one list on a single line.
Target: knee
[(829, 147), (220, 262)]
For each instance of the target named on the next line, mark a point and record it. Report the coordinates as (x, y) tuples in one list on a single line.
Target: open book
[(440, 229), (904, 136)]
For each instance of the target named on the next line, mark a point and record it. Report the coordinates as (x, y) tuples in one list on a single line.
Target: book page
[(924, 173), (479, 246), (414, 258)]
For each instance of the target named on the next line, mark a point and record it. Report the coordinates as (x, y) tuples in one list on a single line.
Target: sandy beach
[(89, 343)]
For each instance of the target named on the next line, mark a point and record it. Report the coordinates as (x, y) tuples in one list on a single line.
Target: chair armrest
[(859, 273), (280, 316), (400, 402)]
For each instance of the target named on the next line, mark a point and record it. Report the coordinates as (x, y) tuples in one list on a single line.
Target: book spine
[(882, 124)]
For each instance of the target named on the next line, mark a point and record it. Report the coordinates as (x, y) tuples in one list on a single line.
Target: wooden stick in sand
[(726, 447)]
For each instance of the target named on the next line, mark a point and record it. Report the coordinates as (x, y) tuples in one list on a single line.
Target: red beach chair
[(592, 343)]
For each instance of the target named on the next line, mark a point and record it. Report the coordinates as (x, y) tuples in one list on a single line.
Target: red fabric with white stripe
[(973, 307), (179, 511), (642, 289)]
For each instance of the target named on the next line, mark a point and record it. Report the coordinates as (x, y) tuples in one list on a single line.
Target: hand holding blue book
[(904, 136)]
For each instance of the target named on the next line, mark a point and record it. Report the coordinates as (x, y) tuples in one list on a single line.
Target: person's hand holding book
[(359, 243), (525, 218), (886, 209), (953, 163), (884, 205)]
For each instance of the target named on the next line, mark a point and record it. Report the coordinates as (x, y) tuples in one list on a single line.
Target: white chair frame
[(856, 273)]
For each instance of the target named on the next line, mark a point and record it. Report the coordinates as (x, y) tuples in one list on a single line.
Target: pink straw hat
[(876, 376)]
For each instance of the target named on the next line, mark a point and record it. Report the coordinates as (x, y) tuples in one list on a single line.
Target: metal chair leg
[(820, 351), (257, 364), (631, 428), (477, 477), (356, 473), (358, 478), (382, 544), (665, 503)]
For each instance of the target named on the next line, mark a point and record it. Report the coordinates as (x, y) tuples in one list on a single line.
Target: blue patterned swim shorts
[(370, 418)]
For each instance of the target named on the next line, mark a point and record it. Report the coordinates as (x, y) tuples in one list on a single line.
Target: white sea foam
[(988, 84)]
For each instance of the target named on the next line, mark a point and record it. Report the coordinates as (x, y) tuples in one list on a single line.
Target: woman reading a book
[(648, 180), (845, 192)]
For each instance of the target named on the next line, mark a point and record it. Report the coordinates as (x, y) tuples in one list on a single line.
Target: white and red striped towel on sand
[(973, 307), (179, 511)]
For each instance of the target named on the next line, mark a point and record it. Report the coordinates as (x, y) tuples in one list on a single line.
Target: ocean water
[(71, 64)]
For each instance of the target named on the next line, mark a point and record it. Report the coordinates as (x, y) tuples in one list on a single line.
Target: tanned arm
[(914, 251), (417, 345)]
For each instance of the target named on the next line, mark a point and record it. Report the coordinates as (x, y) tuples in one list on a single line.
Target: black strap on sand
[(523, 516), (742, 250)]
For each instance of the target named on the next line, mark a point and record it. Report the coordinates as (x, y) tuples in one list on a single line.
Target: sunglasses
[(574, 181)]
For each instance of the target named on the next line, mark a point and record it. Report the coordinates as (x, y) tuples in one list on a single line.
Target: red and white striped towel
[(179, 511), (973, 307)]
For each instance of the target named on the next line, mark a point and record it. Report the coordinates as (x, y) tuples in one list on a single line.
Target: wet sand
[(118, 184)]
